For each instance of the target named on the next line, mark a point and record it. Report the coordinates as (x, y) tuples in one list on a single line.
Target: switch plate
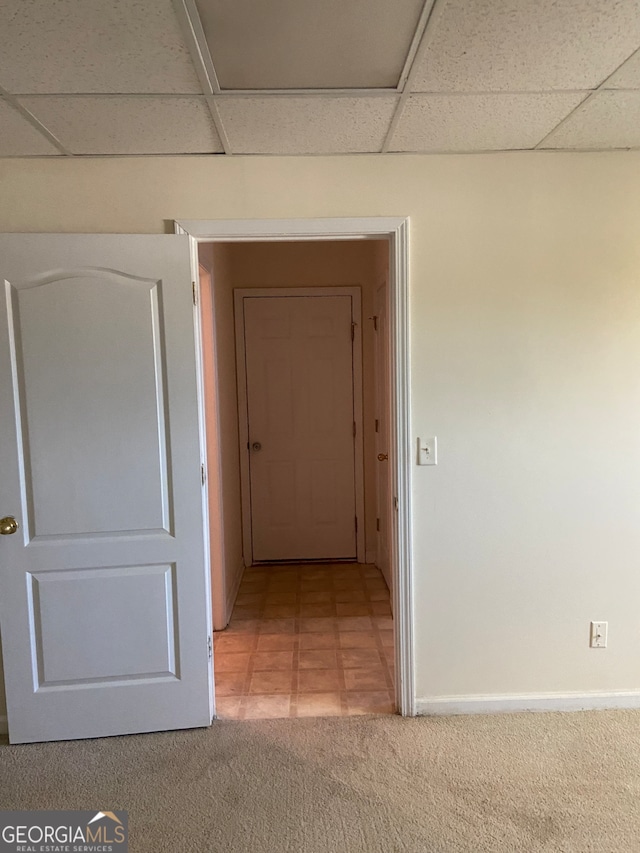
[(599, 631), (428, 451)]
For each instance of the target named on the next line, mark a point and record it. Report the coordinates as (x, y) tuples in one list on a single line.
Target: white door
[(103, 611), (300, 404), (383, 507)]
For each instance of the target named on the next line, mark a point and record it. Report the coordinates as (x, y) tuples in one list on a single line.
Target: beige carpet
[(537, 782)]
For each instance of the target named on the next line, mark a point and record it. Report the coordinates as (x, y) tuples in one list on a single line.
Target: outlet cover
[(599, 631)]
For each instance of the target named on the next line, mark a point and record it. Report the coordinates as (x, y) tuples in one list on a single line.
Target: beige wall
[(228, 421), (382, 409), (222, 571), (525, 359)]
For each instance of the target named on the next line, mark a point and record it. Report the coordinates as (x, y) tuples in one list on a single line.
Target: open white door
[(104, 605)]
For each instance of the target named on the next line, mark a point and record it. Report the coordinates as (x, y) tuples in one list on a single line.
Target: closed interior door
[(103, 610), (300, 409)]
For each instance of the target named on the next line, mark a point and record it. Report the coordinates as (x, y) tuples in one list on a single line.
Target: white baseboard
[(370, 557), (232, 592), (513, 703), (4, 729)]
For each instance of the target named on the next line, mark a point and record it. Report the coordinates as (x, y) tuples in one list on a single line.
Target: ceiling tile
[(18, 138), (305, 44), (628, 76), (120, 125), (527, 45), (479, 122), (312, 125), (118, 46), (607, 120)]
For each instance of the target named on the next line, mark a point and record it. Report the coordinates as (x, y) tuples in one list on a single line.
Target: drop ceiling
[(153, 77)]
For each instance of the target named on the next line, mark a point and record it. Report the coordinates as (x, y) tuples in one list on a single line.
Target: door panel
[(299, 372), (66, 624), (104, 608), (112, 385)]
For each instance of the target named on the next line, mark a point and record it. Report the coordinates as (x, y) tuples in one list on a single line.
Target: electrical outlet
[(599, 632)]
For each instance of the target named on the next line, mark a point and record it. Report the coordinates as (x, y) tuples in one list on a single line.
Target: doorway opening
[(306, 630)]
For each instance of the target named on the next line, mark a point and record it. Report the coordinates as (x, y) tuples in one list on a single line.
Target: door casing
[(396, 230)]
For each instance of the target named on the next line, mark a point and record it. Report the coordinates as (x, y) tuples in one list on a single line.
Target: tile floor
[(307, 640)]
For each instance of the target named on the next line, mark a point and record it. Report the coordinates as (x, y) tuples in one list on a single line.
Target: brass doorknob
[(382, 457), (8, 525)]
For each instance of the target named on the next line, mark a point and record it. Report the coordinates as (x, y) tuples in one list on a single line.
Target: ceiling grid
[(573, 116), (434, 10), (294, 77)]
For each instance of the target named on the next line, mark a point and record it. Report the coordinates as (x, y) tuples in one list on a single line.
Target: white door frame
[(243, 409), (396, 230)]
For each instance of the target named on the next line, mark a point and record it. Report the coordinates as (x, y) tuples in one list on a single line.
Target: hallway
[(307, 640)]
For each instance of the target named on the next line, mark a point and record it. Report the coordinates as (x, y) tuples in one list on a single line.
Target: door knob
[(8, 525), (382, 457), (256, 445)]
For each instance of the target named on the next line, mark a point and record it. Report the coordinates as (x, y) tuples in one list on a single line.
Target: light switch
[(428, 451), (599, 631)]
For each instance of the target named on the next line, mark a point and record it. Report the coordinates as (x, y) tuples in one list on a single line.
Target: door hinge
[(203, 473), (356, 520), (378, 524), (377, 425), (193, 290), (353, 331), (375, 323), (210, 646), (354, 429), (395, 504)]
